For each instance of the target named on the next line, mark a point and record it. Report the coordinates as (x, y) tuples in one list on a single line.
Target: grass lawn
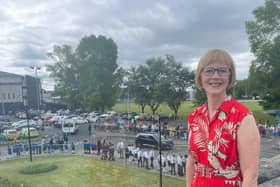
[(188, 106), (259, 113), (81, 171), (185, 109)]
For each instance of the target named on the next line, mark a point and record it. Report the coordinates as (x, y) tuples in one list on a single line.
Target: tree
[(176, 81), (94, 76), (64, 73), (160, 80), (264, 37), (152, 75), (200, 97), (241, 89), (137, 87)]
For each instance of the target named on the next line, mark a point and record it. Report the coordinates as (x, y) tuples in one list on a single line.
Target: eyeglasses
[(210, 71)]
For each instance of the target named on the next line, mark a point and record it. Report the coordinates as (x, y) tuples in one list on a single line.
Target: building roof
[(6, 74)]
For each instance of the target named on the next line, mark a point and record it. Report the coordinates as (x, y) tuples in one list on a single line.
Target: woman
[(224, 141)]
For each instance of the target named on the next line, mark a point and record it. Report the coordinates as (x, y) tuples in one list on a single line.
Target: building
[(17, 91), (190, 93)]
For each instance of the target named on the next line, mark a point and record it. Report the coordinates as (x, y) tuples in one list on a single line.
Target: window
[(9, 96), (14, 96)]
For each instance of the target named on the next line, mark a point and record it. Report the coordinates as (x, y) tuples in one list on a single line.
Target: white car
[(92, 119), (104, 116), (112, 113), (23, 123), (79, 120), (57, 120), (69, 127)]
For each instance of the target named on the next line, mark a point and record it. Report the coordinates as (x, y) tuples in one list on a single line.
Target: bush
[(38, 168)]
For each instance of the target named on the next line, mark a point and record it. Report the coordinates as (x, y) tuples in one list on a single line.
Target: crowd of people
[(172, 163)]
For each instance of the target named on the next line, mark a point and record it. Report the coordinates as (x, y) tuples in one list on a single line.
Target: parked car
[(11, 134), (128, 115), (21, 115), (152, 141), (4, 125), (57, 120), (32, 130), (141, 116), (104, 116), (69, 127), (79, 120), (92, 119), (23, 124)]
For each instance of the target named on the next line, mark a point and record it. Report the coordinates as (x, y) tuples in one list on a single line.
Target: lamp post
[(36, 68), (25, 103), (160, 165)]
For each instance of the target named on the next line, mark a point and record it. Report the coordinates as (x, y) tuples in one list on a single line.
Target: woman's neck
[(213, 103)]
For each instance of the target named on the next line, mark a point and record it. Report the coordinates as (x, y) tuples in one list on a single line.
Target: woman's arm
[(189, 170), (248, 142)]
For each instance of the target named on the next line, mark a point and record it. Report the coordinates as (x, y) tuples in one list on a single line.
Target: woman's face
[(215, 79)]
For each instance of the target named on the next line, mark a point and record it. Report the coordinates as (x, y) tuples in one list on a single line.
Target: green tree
[(241, 89), (176, 81), (264, 37), (152, 75), (64, 74), (200, 97), (137, 86), (160, 80), (94, 76)]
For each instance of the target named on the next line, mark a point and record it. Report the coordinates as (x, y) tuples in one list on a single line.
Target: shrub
[(38, 168)]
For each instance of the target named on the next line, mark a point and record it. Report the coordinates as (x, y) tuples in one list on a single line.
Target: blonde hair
[(215, 56)]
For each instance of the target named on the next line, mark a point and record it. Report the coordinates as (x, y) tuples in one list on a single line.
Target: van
[(11, 134), (32, 130), (152, 141), (69, 127)]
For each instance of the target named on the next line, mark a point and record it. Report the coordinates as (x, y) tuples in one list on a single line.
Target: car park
[(152, 141)]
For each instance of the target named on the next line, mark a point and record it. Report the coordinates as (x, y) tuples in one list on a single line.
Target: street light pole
[(28, 129), (128, 98), (25, 103), (36, 68), (160, 165)]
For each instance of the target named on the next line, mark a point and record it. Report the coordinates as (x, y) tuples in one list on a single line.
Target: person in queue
[(224, 142)]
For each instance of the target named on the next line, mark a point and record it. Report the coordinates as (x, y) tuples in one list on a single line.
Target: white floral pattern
[(215, 143)]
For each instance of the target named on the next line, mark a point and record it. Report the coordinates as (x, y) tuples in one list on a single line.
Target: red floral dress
[(213, 144)]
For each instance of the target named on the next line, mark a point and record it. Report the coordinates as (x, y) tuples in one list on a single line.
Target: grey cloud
[(141, 29), (30, 52)]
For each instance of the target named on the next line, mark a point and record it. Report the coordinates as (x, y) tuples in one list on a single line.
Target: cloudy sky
[(142, 29)]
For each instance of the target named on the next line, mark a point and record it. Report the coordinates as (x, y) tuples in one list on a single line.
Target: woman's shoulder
[(196, 111), (241, 108)]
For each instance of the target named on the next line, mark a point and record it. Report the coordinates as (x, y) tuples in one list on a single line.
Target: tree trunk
[(143, 108), (154, 107)]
